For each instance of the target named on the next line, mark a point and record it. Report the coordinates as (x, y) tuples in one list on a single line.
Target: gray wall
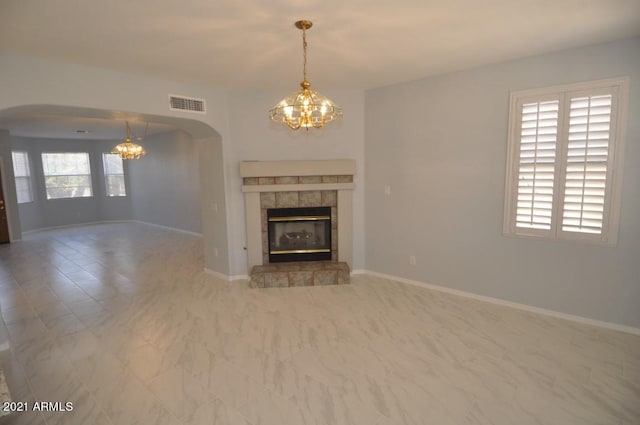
[(440, 144), (45, 213), (165, 184), (256, 138)]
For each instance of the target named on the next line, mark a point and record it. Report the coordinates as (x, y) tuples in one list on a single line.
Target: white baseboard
[(219, 275), (518, 306), (67, 226), (358, 271), (166, 227), (226, 278), (92, 223)]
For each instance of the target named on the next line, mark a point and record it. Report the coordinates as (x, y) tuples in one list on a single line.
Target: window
[(564, 161), (113, 175), (22, 173), (67, 175)]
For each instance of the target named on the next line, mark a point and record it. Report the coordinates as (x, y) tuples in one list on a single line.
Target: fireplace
[(299, 218), (299, 234)]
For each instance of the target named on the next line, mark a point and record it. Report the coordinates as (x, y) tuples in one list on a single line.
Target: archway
[(211, 170)]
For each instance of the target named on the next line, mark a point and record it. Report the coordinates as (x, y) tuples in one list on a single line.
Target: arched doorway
[(210, 158)]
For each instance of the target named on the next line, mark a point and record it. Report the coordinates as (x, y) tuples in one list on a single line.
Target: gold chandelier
[(129, 149), (305, 108)]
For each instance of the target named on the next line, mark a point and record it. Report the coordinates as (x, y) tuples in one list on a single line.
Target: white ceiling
[(251, 44), (48, 126)]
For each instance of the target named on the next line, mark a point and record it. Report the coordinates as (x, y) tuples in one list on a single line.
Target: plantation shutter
[(564, 161), (536, 164), (587, 162), (114, 175), (22, 175)]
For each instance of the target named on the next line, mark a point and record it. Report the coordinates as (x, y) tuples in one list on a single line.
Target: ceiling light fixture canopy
[(129, 149), (305, 108)]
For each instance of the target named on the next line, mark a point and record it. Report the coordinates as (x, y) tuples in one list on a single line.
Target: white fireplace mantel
[(266, 169)]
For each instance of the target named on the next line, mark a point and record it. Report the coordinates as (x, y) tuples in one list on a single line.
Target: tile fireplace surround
[(287, 184)]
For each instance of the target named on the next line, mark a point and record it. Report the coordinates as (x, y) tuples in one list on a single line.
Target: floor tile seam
[(238, 369), (237, 411), (341, 389), (256, 384), (597, 371), (140, 382), (627, 372), (75, 285), (606, 408), (29, 384), (99, 337), (12, 340), (531, 380), (590, 366), (96, 402), (84, 291), (241, 408), (291, 353), (20, 374), (345, 341), (487, 395), (57, 317), (328, 377), (373, 342), (15, 321), (598, 383), (77, 376), (533, 370), (70, 260), (311, 346), (147, 385), (38, 304), (68, 304)]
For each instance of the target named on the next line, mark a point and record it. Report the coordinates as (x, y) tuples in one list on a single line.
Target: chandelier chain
[(304, 53), (130, 132)]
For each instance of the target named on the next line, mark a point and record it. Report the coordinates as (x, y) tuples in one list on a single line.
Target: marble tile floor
[(120, 320)]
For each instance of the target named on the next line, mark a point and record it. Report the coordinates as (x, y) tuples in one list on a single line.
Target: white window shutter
[(114, 175), (536, 164), (565, 156), (22, 174), (587, 160)]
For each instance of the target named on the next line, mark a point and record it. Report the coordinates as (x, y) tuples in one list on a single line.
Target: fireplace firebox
[(299, 234)]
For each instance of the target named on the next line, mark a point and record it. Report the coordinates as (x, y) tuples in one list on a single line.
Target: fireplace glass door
[(299, 234)]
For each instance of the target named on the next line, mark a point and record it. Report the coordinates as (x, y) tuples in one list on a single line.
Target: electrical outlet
[(387, 189), (412, 260), (215, 252)]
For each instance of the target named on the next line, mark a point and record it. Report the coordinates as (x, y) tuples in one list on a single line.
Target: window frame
[(619, 88), (28, 177), (45, 175), (107, 175)]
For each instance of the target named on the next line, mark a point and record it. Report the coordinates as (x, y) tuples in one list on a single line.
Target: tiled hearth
[(293, 184), (307, 273)]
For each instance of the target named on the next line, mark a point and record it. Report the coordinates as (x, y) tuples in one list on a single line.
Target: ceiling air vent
[(190, 104)]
